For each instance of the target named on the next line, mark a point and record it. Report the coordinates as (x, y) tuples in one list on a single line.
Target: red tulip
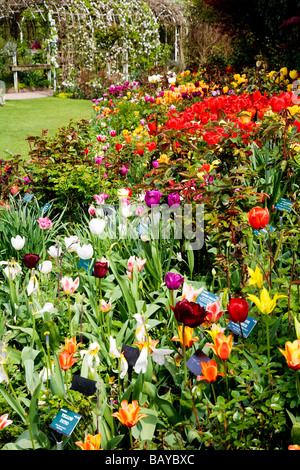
[(189, 313), (258, 217), (238, 310)]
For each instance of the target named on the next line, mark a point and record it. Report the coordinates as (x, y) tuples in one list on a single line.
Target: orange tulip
[(222, 345), (188, 336), (128, 414), (210, 371), (70, 345), (294, 447), (292, 354), (66, 360), (90, 442)]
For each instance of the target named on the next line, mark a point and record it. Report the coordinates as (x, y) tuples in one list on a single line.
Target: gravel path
[(29, 95)]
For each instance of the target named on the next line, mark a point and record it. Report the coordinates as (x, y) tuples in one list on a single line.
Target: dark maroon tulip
[(152, 197), (238, 310), (173, 281), (100, 269), (30, 260), (189, 313), (173, 199)]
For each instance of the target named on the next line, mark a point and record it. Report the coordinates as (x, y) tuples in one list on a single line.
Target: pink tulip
[(68, 285), (44, 222), (113, 133), (100, 198), (4, 421), (139, 261), (105, 306)]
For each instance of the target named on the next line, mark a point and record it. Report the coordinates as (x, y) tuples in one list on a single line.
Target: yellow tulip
[(256, 277), (265, 304), (283, 71), (293, 74)]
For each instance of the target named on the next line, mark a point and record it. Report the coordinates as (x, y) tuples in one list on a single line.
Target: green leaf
[(165, 406), (15, 405)]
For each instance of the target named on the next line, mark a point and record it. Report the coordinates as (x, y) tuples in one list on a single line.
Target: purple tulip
[(155, 164), (152, 197), (174, 199), (173, 280)]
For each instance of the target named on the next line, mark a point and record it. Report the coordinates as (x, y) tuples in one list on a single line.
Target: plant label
[(206, 298), (284, 205), (27, 197), (194, 362), (86, 265), (65, 421), (85, 386), (247, 326)]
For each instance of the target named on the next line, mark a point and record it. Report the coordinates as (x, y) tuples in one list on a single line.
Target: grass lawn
[(19, 118)]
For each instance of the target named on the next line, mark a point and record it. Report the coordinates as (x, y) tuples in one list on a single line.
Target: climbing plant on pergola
[(111, 35)]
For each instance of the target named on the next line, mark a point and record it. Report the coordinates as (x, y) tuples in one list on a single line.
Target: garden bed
[(150, 276)]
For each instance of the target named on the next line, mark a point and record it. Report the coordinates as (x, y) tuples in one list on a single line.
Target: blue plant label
[(86, 265), (267, 229), (247, 326), (284, 205), (65, 421), (27, 197), (45, 208), (206, 298), (194, 362)]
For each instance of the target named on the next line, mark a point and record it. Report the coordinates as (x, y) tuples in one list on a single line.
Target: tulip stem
[(214, 392), (297, 382), (69, 312), (226, 377), (184, 354), (268, 338), (130, 437)]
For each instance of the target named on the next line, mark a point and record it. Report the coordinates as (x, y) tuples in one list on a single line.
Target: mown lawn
[(20, 118)]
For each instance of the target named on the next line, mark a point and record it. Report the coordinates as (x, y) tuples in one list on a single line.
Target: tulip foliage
[(154, 287)]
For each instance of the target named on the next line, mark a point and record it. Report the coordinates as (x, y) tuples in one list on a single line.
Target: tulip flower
[(173, 199), (100, 268), (210, 371), (97, 226), (12, 269), (68, 285), (265, 304), (4, 421), (54, 251), (238, 310), (105, 306), (189, 313), (189, 293), (292, 354), (72, 243), (188, 339), (214, 312), (130, 264), (116, 353), (18, 242), (33, 286), (93, 360), (173, 280), (129, 413), (44, 222), (66, 360), (256, 277), (294, 447), (31, 260), (222, 346), (85, 251), (71, 345), (100, 198), (152, 197), (90, 442), (45, 267), (124, 192), (258, 217)]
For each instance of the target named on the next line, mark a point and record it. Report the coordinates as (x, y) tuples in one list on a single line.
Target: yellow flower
[(283, 71), (293, 74), (256, 277), (265, 304), (163, 158)]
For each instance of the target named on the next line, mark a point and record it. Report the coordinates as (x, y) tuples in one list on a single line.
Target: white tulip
[(85, 251), (45, 267), (97, 226), (18, 242), (54, 251), (72, 243)]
